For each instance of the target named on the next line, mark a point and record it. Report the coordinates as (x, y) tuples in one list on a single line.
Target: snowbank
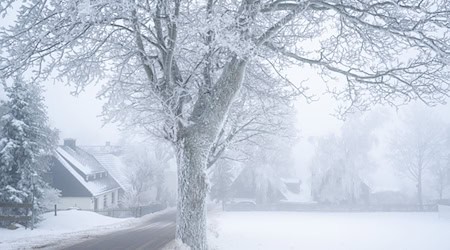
[(71, 224), (444, 211), (292, 230)]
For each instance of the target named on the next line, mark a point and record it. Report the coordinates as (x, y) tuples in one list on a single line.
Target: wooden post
[(56, 210), (32, 210), (28, 222)]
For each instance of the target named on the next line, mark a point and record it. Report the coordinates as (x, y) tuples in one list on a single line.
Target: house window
[(113, 198), (105, 205)]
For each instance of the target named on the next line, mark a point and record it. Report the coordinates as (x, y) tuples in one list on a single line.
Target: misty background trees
[(412, 144), (146, 166), (419, 150), (182, 64), (342, 162)]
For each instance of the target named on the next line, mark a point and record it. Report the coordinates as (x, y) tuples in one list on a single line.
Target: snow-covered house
[(84, 182), (113, 159), (265, 188), (115, 166)]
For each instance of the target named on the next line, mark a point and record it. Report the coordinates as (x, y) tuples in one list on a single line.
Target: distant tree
[(416, 147), (440, 171), (27, 141), (221, 180), (440, 168), (268, 161), (147, 165), (341, 162)]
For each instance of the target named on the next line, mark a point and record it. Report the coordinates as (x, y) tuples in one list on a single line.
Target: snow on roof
[(94, 186), (104, 149), (290, 196), (81, 160), (115, 166)]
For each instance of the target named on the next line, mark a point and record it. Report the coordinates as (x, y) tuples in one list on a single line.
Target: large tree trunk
[(193, 146), (192, 188)]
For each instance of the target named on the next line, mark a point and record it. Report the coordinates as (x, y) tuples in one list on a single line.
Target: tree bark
[(193, 146), (192, 188)]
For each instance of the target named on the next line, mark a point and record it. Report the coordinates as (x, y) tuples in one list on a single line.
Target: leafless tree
[(184, 62), (416, 147), (146, 171), (440, 169), (253, 120)]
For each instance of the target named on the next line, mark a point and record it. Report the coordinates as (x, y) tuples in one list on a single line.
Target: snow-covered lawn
[(349, 231), (69, 225)]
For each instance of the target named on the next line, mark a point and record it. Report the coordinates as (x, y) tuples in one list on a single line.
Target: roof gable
[(115, 167), (89, 173), (81, 160)]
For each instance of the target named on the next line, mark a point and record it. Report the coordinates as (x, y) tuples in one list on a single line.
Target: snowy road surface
[(152, 234), (323, 231), (68, 225)]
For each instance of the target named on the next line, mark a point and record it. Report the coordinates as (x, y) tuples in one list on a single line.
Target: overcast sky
[(78, 117)]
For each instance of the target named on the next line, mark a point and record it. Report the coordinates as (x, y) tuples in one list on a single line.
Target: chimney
[(108, 143), (72, 143)]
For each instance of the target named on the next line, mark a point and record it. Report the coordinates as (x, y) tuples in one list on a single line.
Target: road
[(153, 234)]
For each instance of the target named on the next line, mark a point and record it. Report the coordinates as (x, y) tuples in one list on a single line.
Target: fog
[(196, 125), (79, 116)]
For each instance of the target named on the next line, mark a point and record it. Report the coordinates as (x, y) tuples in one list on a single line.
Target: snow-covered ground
[(68, 226), (349, 231)]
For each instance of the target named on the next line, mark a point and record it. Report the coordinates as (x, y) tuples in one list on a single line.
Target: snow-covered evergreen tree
[(26, 142)]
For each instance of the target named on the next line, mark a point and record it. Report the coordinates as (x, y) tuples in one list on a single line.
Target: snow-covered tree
[(247, 126), (416, 147), (27, 141), (221, 180), (269, 160), (440, 171), (147, 164), (341, 162), (183, 63), (441, 168)]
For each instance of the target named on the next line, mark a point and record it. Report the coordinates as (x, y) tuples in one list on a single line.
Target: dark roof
[(83, 161), (62, 179), (85, 169)]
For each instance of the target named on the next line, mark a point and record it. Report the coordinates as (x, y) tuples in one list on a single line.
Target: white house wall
[(79, 202), (109, 202)]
